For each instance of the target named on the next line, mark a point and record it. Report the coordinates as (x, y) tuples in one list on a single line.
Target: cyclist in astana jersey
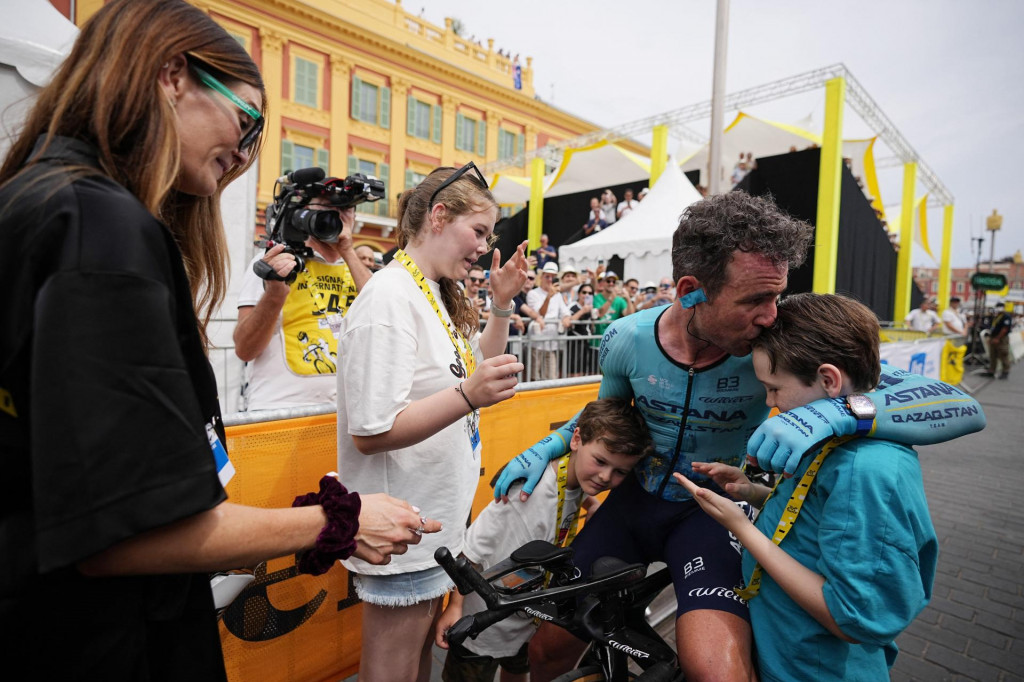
[(687, 366)]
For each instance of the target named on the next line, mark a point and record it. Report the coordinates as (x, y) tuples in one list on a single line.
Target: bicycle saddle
[(608, 567), (540, 552)]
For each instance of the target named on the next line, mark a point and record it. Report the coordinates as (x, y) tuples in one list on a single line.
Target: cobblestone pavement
[(973, 629)]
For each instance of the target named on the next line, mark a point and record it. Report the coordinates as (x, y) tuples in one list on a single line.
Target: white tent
[(643, 239), (599, 165), (34, 38)]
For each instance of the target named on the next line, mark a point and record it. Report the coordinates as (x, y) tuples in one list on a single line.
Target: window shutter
[(357, 91), (458, 131), (323, 160), (287, 156), (353, 165), (410, 113), (385, 107), (481, 137), (384, 172), (436, 137), (520, 143), (408, 178)]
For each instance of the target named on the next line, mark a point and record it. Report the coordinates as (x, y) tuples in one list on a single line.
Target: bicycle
[(607, 609)]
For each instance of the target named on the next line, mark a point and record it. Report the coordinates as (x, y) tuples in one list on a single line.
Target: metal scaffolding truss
[(856, 97)]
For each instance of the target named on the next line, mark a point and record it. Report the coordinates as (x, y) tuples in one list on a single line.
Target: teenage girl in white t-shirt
[(413, 373)]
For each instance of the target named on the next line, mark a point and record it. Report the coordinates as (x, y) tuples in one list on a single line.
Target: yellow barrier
[(287, 626)]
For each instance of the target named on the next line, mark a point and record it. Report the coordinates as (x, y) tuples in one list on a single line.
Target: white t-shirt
[(955, 320), (500, 530), (557, 309), (297, 367), (394, 350), (921, 320), (625, 207)]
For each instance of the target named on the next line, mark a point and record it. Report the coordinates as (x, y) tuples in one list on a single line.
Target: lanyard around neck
[(563, 481), (791, 512), (461, 343)]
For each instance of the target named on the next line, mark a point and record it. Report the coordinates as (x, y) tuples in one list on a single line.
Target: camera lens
[(324, 225)]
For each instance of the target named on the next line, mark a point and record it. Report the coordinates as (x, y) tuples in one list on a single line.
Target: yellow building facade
[(365, 86)]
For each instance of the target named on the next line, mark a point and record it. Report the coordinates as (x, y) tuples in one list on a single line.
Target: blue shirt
[(865, 527)]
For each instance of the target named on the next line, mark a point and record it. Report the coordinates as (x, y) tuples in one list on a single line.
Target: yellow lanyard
[(796, 502), (563, 480), (461, 343)]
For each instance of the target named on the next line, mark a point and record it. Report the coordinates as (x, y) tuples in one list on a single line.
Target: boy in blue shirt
[(610, 438), (860, 551)]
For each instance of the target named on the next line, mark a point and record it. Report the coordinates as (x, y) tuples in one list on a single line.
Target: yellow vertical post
[(659, 152), (904, 277), (272, 68), (945, 267), (830, 175), (535, 226)]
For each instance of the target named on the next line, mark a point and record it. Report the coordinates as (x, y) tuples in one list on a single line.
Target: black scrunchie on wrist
[(337, 539)]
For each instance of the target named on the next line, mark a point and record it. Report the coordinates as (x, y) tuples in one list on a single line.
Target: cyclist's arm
[(911, 409), (915, 410)]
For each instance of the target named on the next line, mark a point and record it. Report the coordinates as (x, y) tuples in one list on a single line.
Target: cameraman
[(287, 332)]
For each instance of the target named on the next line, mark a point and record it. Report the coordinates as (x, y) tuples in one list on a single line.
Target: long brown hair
[(106, 93), (463, 196)]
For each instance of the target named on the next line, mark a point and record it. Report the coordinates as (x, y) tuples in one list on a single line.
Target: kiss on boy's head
[(821, 346), (609, 440)]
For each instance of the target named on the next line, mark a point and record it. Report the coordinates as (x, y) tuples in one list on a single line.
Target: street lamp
[(992, 224)]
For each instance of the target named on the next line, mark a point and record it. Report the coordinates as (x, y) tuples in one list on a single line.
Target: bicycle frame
[(607, 609)]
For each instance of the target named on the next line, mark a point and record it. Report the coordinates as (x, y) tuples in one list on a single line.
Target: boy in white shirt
[(609, 439)]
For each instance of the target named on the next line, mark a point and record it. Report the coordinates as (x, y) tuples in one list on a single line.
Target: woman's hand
[(493, 381), (388, 526), (721, 509), (508, 279)]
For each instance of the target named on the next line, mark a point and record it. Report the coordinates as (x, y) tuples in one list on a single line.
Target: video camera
[(291, 220)]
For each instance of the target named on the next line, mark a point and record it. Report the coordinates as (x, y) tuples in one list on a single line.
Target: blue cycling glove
[(780, 442), (530, 463)]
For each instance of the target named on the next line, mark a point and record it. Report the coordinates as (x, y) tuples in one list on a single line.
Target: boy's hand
[(729, 478), (450, 617), (721, 509), (780, 442)]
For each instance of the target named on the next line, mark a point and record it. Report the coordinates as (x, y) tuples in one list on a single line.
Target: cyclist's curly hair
[(710, 231)]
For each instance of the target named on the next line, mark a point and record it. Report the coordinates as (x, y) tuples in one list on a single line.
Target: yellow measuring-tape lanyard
[(461, 343), (563, 480), (796, 502)]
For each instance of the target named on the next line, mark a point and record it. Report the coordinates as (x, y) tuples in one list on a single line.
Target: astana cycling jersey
[(694, 415)]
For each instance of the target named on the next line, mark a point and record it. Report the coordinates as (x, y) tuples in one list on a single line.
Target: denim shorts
[(403, 589)]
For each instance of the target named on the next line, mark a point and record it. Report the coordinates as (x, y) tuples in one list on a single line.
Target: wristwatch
[(863, 410)]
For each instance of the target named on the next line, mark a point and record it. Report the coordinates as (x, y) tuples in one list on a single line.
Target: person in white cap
[(546, 299)]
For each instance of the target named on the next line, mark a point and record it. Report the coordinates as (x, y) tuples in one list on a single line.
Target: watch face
[(861, 406)]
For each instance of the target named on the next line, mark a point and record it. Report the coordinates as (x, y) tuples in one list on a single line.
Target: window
[(295, 156), (377, 170), (371, 103), (307, 74), (470, 135), (509, 144), (959, 287), (412, 178), (424, 120)]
